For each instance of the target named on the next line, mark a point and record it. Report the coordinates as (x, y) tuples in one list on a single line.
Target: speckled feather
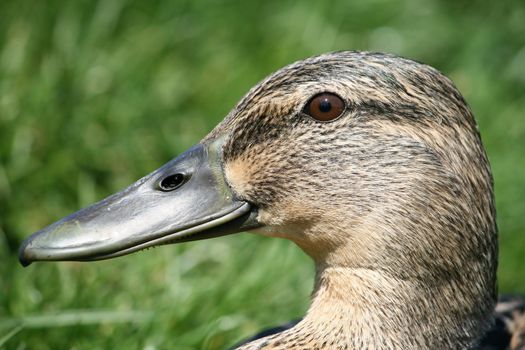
[(508, 331), (393, 201)]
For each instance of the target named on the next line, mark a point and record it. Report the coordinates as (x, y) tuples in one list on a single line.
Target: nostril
[(172, 182)]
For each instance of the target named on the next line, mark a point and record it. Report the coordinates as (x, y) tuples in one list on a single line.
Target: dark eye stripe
[(325, 107)]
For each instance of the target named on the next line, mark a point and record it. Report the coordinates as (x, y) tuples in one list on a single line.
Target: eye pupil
[(325, 107), (171, 182)]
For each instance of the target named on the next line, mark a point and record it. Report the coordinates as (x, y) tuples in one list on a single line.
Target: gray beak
[(186, 199)]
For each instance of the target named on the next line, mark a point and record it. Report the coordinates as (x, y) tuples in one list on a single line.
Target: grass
[(95, 94)]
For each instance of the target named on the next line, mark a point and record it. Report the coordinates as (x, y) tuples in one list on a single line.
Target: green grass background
[(95, 94)]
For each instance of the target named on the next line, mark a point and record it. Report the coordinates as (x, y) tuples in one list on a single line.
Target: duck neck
[(371, 309), (358, 308)]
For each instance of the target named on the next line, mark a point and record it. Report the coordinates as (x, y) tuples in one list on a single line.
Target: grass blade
[(75, 318), (10, 335)]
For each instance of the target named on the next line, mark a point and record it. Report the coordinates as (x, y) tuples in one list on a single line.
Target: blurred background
[(95, 94)]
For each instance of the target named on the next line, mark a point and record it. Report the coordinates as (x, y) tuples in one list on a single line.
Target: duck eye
[(325, 107), (171, 182)]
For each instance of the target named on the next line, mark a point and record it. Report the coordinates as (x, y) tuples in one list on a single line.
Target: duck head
[(368, 162)]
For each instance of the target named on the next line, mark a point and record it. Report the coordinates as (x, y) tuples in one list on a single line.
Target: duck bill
[(186, 199)]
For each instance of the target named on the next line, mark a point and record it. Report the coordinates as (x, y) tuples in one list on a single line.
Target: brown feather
[(393, 201)]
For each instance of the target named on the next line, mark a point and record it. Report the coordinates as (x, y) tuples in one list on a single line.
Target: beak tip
[(22, 254), (25, 263)]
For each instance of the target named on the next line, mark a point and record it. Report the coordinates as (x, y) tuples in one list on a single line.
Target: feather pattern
[(507, 333), (393, 201)]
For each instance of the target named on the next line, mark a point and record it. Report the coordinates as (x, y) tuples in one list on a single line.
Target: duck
[(370, 163)]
